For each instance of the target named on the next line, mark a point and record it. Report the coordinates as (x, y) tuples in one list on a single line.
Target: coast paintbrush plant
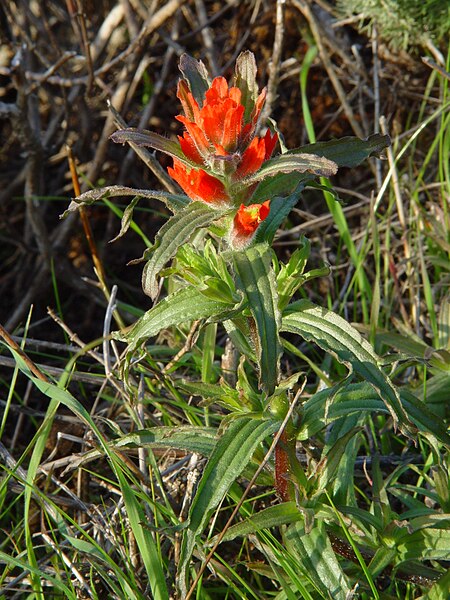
[(216, 250)]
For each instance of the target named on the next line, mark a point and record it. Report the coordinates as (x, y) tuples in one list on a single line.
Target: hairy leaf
[(257, 281), (145, 138), (274, 516), (174, 202), (187, 304), (182, 437), (317, 559), (288, 163), (347, 151), (173, 234), (334, 334)]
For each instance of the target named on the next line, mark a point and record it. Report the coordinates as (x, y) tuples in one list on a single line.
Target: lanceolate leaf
[(425, 544), (230, 456), (143, 137), (274, 516), (279, 210), (288, 163), (328, 466), (192, 439), (186, 304), (174, 233), (195, 73), (245, 80), (334, 334), (317, 559), (257, 279), (173, 201), (281, 184), (331, 404), (348, 151)]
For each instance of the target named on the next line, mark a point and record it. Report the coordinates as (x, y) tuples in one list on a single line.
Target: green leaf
[(288, 163), (279, 210), (334, 334), (187, 304), (274, 516), (245, 80), (328, 466), (317, 560), (290, 276), (145, 138), (183, 437), (257, 281), (173, 234), (231, 455), (219, 393), (424, 544), (174, 202), (279, 185), (424, 418), (196, 74), (347, 151)]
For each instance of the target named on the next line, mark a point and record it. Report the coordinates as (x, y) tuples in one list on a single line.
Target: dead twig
[(275, 62)]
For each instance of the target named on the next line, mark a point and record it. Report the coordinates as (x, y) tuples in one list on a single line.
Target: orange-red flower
[(221, 141), (198, 184)]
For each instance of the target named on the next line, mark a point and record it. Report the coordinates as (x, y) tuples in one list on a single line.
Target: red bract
[(259, 150), (198, 185)]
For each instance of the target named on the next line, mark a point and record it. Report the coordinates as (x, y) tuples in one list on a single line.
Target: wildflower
[(219, 159)]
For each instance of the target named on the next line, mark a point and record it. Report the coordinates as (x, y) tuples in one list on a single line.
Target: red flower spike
[(249, 217), (198, 184), (220, 124)]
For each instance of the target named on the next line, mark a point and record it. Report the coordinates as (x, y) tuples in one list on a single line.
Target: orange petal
[(249, 217), (189, 148), (198, 184), (252, 158), (198, 137), (188, 102)]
